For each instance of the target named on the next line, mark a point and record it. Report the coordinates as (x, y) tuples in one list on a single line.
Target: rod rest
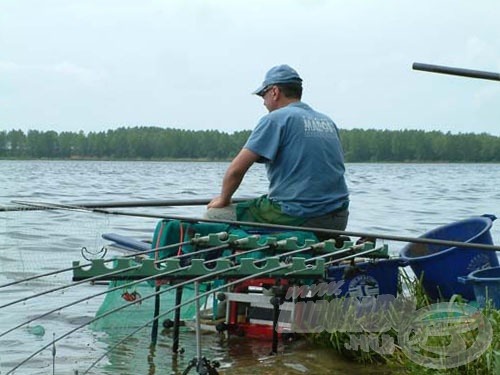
[(171, 268)]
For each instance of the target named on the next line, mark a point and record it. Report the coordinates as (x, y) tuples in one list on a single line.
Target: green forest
[(155, 143)]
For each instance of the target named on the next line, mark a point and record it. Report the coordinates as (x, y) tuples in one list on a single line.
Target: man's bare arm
[(233, 177)]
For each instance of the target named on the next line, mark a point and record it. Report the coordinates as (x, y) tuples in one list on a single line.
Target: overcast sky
[(92, 65)]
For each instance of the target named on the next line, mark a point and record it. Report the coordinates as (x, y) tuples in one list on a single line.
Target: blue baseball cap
[(279, 74)]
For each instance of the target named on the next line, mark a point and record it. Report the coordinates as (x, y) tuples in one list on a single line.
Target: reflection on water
[(236, 356), (397, 199)]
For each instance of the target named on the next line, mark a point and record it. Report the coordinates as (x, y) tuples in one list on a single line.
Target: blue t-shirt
[(304, 160)]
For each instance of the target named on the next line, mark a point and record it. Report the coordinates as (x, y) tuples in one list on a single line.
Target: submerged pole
[(276, 300), (154, 330), (198, 323), (177, 318)]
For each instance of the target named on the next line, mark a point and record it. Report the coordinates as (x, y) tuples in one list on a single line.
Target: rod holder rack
[(171, 268), (287, 244)]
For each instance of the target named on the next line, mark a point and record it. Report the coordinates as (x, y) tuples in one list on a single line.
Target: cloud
[(62, 69), (7, 67), (84, 75), (194, 63)]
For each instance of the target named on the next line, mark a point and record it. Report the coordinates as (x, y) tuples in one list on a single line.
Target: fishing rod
[(221, 235), (238, 242), (24, 299), (83, 208), (119, 271), (208, 293), (126, 204), (333, 232), (199, 278), (76, 208), (132, 283), (135, 254), (41, 205), (207, 262), (457, 71)]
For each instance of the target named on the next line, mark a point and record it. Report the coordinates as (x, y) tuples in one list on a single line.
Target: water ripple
[(398, 199)]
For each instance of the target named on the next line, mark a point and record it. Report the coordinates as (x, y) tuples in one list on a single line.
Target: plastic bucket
[(486, 284), (440, 266), (371, 278)]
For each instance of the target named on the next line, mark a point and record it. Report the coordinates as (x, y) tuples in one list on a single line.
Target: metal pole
[(307, 229), (154, 330), (177, 318), (36, 206), (276, 299), (457, 71), (332, 232), (198, 327)]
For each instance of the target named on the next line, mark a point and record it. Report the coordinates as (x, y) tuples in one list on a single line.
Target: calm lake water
[(397, 199)]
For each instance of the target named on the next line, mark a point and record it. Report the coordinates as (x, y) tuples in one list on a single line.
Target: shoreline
[(208, 160)]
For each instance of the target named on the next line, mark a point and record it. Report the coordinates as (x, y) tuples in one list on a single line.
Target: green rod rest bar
[(172, 267), (197, 268)]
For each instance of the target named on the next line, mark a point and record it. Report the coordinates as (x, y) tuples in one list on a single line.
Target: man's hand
[(218, 202)]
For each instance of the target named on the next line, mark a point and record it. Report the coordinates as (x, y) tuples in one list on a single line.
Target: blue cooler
[(441, 266), (370, 278)]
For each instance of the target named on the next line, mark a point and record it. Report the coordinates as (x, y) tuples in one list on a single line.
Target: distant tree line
[(123, 143), (154, 143), (419, 146)]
